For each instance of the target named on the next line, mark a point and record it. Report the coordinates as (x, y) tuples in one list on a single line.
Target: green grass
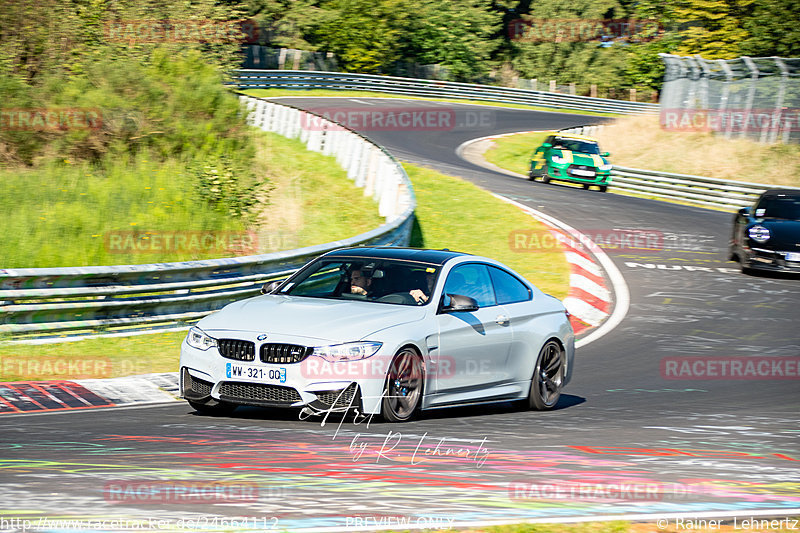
[(451, 213), (514, 152), (309, 93), (67, 214), (101, 357)]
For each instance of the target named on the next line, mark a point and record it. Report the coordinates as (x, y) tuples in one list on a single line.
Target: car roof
[(420, 255), (575, 136), (770, 193)]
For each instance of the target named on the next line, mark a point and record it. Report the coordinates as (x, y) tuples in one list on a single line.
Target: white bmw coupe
[(383, 330)]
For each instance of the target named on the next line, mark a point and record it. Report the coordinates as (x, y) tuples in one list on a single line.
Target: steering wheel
[(398, 298)]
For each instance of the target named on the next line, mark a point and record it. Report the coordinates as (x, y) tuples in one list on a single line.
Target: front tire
[(404, 384), (548, 377), (545, 175)]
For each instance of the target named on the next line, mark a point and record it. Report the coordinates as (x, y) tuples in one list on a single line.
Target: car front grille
[(237, 349), (284, 353), (341, 398), (195, 387), (258, 393), (201, 387), (572, 168)]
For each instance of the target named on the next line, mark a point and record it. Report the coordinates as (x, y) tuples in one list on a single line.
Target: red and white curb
[(589, 300), (23, 397)]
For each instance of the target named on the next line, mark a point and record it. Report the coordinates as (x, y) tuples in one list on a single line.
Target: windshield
[(371, 280), (575, 145), (785, 207)]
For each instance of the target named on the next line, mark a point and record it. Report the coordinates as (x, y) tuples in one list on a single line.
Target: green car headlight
[(558, 160), (604, 168)]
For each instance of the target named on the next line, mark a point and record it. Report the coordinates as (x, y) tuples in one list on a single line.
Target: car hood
[(784, 234), (578, 158), (331, 320)]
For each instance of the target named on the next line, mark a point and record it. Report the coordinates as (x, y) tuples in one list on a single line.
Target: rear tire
[(548, 377), (603, 188), (404, 385)]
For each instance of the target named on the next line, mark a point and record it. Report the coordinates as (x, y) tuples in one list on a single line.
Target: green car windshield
[(576, 145)]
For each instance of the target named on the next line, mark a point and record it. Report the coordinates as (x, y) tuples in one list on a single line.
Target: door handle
[(502, 320)]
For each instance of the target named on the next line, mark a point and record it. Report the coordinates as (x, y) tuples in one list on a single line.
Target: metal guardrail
[(46, 301), (302, 79), (700, 190)]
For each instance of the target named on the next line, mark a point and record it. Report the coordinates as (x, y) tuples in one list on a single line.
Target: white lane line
[(620, 288), (362, 102)]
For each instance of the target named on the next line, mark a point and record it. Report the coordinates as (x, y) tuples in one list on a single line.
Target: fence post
[(751, 94), (776, 115)]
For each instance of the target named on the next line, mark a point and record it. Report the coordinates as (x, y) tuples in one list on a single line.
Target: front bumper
[(773, 260), (205, 375), (576, 173)]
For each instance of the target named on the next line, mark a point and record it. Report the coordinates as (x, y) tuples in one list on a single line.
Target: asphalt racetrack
[(655, 424)]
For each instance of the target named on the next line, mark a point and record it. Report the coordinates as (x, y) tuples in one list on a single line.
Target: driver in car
[(421, 296), (359, 283)]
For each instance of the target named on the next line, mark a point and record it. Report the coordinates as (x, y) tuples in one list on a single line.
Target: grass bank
[(639, 142), (451, 213), (135, 210)]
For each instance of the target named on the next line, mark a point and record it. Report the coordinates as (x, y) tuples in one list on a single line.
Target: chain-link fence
[(756, 98)]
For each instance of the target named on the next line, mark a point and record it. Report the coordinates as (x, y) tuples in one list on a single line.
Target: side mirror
[(605, 154), (547, 145), (459, 304), (270, 286)]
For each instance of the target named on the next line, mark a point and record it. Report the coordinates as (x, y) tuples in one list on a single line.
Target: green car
[(574, 158)]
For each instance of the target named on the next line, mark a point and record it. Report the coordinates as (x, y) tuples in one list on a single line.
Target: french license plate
[(793, 256), (579, 172), (274, 375)]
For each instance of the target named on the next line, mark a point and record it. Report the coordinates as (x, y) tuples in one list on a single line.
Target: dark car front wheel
[(402, 394), (548, 377)]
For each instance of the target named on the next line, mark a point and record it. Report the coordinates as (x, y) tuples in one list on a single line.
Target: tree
[(460, 36), (364, 34), (712, 28), (773, 29), (562, 43)]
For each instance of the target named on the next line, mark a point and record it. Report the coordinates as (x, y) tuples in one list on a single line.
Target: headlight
[(198, 339), (351, 351), (604, 167), (758, 233), (558, 160)]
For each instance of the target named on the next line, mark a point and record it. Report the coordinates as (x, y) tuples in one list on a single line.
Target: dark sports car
[(767, 235)]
